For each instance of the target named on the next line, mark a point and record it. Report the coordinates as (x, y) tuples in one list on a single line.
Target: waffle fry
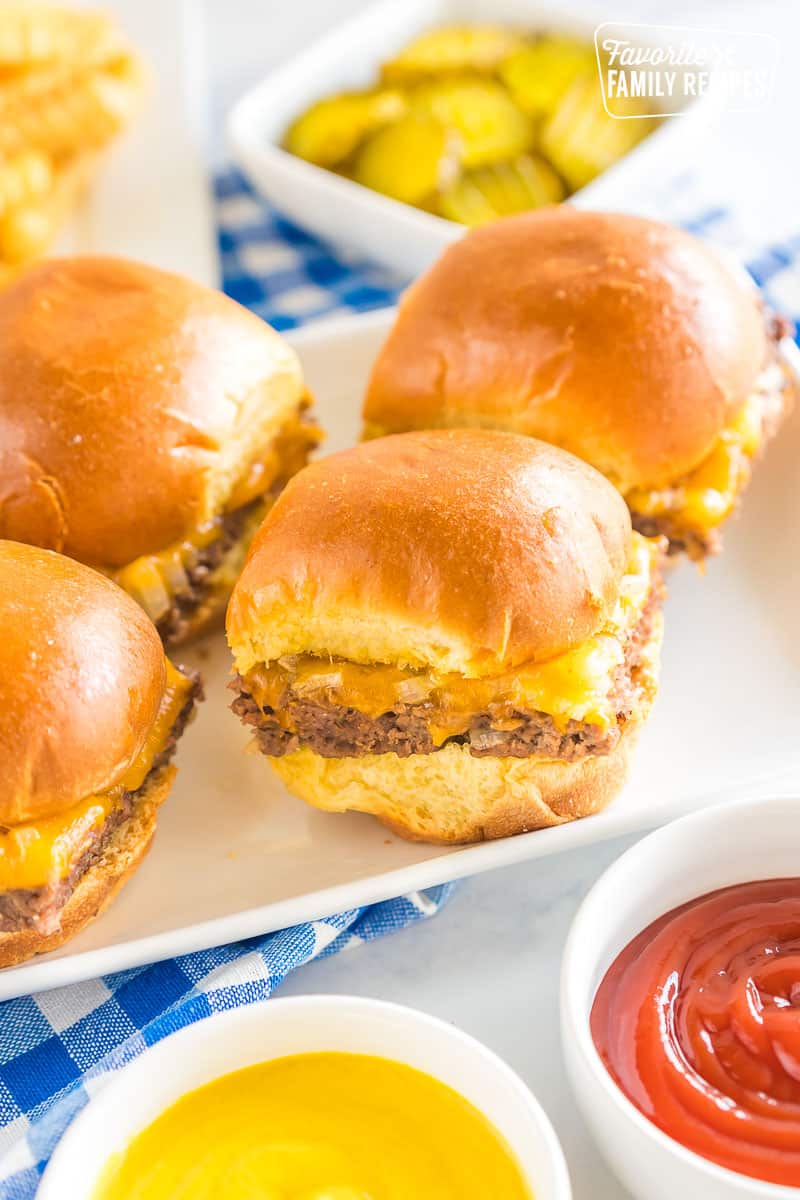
[(68, 84), (490, 125), (332, 130), (455, 49), (24, 179), (32, 33), (581, 139), (85, 111), (502, 190), (29, 229), (409, 160), (22, 87)]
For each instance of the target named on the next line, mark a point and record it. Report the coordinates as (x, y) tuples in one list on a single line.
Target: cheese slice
[(576, 685), (702, 499), (37, 853)]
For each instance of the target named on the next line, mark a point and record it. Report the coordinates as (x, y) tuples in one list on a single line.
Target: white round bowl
[(724, 845), (272, 1028)]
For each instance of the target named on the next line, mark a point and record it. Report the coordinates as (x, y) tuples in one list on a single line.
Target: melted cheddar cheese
[(704, 497), (576, 685), (154, 580), (36, 853)]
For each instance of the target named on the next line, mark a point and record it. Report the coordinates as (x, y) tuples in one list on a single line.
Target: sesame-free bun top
[(623, 340), (82, 676), (131, 402), (457, 550)]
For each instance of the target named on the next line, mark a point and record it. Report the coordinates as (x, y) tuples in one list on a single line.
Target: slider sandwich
[(457, 631), (90, 713), (146, 426), (623, 340)]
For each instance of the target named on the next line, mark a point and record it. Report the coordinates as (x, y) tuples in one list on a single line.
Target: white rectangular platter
[(236, 856)]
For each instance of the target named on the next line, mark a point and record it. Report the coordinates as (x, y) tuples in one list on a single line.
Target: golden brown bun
[(450, 796), (131, 402), (98, 887), (82, 676), (623, 340), (460, 550)]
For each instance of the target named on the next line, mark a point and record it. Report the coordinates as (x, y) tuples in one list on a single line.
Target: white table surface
[(490, 960)]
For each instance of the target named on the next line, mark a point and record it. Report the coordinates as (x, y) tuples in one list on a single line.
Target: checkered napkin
[(58, 1048), (288, 277), (283, 273)]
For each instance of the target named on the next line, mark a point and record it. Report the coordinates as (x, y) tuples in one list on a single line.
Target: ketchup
[(698, 1022)]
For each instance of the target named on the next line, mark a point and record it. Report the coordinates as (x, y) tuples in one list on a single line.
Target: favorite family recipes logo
[(672, 66)]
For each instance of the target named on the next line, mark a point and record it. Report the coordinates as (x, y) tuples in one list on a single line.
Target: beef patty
[(336, 731), (176, 621), (40, 908), (174, 624)]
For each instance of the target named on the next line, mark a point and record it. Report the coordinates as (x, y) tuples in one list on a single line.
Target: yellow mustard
[(318, 1127)]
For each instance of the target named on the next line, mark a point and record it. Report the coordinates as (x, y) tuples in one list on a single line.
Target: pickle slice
[(453, 49), (490, 125), (331, 130), (539, 75), (581, 139), (502, 190), (409, 160)]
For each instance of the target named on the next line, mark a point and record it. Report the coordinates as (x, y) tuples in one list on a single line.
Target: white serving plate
[(390, 232), (151, 199), (236, 855)]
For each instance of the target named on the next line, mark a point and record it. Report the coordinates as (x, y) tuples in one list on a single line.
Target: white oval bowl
[(273, 1028), (404, 238), (724, 845)]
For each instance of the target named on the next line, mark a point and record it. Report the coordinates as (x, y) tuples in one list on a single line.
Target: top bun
[(82, 677), (461, 550), (623, 340), (131, 402)]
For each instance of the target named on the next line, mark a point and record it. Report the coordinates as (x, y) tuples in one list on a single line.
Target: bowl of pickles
[(423, 117)]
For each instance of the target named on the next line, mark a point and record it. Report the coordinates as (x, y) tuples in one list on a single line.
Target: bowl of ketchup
[(680, 1007)]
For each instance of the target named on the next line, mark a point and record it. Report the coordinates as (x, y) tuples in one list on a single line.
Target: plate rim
[(454, 863)]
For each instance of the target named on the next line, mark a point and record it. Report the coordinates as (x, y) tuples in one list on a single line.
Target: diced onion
[(414, 690), (144, 582), (321, 682), (486, 739)]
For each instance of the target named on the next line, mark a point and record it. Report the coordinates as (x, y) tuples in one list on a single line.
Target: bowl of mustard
[(312, 1098)]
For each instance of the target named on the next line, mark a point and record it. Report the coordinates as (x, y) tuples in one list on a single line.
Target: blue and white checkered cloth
[(58, 1048), (288, 277), (283, 273)]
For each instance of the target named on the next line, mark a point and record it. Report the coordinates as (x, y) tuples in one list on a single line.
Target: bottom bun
[(451, 796), (98, 887)]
